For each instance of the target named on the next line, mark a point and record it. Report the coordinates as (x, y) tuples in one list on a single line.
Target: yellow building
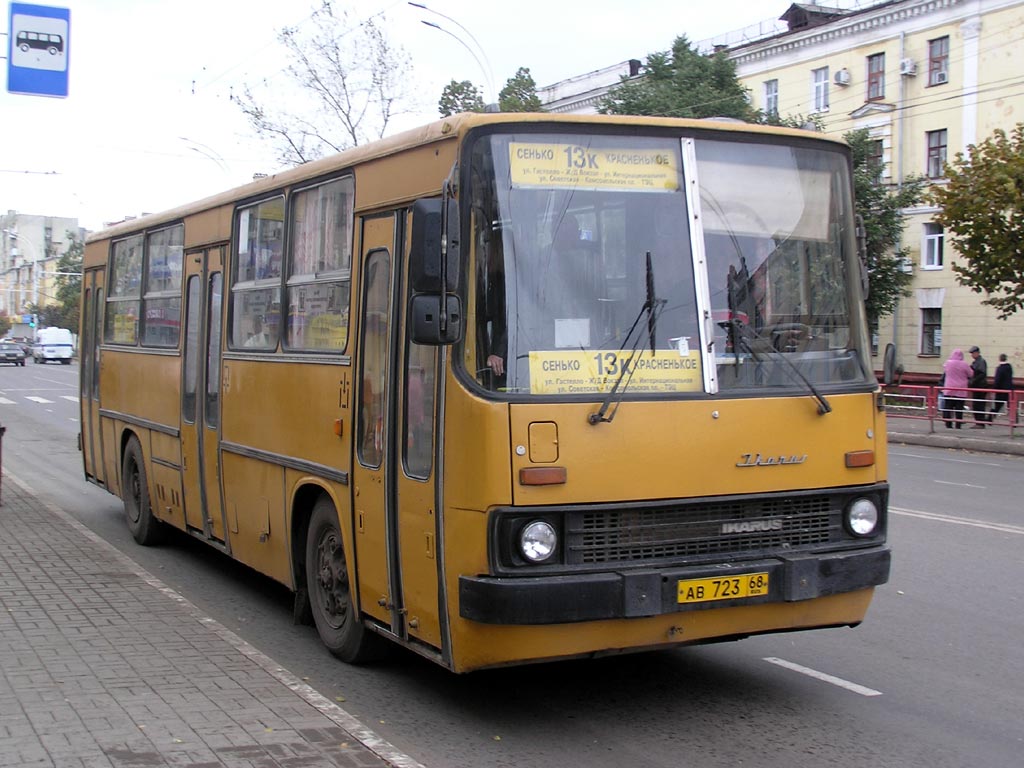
[(927, 78)]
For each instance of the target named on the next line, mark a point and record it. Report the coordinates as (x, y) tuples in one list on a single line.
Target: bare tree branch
[(351, 83)]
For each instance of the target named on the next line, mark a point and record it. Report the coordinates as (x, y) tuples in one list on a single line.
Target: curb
[(978, 445)]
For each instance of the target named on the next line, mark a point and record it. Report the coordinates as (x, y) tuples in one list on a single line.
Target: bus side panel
[(110, 448), (272, 413), (165, 479), (156, 403), (287, 408), (255, 515), (122, 391)]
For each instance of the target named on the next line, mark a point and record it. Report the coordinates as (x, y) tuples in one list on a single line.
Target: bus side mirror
[(425, 318), (435, 234)]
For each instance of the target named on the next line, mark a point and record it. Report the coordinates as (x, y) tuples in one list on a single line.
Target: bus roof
[(441, 130)]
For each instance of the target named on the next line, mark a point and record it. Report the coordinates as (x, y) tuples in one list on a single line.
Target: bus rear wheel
[(142, 524), (330, 592)]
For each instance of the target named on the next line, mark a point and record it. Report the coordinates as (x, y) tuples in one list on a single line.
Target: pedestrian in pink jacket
[(957, 374)]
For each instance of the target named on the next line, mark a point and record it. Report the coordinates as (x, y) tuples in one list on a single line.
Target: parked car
[(11, 352)]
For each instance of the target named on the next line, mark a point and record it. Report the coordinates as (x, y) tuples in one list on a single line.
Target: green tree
[(983, 206), (460, 97), (682, 83), (519, 93), (880, 207), (5, 324)]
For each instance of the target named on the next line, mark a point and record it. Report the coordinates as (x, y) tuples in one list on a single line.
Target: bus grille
[(695, 530)]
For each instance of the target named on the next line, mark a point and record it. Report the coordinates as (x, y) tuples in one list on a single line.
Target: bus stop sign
[(37, 52)]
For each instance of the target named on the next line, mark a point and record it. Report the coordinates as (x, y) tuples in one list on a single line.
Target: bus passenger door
[(89, 391), (200, 393), (394, 474), (373, 503), (415, 478)]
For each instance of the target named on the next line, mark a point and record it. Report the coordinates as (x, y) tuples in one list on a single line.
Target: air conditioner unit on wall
[(908, 67), (842, 77), (938, 78)]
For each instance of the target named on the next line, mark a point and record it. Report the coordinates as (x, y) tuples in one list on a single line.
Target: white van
[(53, 344)]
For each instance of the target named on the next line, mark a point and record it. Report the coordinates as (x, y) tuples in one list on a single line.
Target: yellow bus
[(508, 388)]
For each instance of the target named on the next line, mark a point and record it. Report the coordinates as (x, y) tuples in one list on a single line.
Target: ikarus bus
[(509, 388)]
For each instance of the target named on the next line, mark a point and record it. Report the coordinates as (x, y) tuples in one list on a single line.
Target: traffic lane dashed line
[(824, 677), (37, 399)]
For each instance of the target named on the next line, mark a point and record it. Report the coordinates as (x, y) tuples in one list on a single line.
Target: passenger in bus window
[(495, 323), (259, 339)]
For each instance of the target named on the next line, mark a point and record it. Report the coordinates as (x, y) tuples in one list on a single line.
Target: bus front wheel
[(142, 524), (330, 592)]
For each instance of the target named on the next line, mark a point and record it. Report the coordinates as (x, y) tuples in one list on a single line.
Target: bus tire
[(142, 524), (330, 593)]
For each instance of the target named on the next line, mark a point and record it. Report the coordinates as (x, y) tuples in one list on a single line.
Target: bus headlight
[(537, 541), (862, 517)]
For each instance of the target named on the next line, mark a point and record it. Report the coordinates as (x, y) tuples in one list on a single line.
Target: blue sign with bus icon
[(37, 61)]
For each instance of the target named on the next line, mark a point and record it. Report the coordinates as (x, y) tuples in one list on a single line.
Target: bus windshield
[(588, 261)]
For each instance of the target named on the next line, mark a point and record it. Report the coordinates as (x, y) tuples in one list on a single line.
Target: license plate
[(723, 588)]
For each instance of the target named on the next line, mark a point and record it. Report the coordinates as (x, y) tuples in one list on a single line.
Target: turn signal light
[(542, 476), (860, 459)]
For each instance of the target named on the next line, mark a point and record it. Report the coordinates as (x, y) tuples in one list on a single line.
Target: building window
[(876, 77), (876, 157), (820, 80), (938, 61), (932, 251), (936, 153), (931, 331), (771, 97)]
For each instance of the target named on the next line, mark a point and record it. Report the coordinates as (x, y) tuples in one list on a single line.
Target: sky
[(149, 121)]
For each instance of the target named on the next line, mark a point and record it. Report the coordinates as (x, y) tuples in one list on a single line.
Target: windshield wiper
[(652, 307), (741, 332)]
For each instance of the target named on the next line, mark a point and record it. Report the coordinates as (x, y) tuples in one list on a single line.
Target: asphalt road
[(933, 678)]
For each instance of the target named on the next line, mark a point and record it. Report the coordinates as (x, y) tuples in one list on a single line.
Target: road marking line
[(5, 401), (72, 398), (947, 458), (862, 690), (1001, 527), (961, 485), (40, 400)]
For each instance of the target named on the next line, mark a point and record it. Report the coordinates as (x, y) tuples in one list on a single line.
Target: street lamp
[(487, 72)]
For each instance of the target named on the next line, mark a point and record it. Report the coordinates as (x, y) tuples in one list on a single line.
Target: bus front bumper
[(651, 592)]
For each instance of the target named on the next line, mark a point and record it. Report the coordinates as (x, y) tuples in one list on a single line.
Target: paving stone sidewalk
[(101, 665)]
